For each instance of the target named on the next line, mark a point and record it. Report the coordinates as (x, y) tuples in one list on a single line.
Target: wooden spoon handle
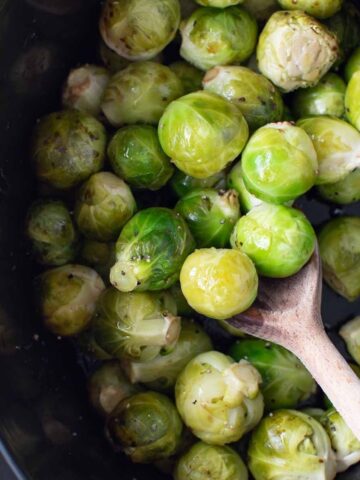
[(333, 374)]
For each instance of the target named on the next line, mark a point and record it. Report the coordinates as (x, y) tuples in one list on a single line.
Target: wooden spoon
[(287, 312)]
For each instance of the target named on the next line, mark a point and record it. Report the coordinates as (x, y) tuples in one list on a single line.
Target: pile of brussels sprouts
[(167, 184)]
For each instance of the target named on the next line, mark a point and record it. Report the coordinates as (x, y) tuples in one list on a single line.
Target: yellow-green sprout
[(316, 8), (352, 65), (352, 104), (344, 191), (350, 332)]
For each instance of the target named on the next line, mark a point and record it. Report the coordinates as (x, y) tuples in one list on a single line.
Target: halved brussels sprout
[(67, 298), (212, 37), (246, 199), (190, 76), (202, 132), (161, 372), (352, 104), (316, 8), (210, 462), (151, 250), (99, 256), (344, 443), (295, 50), (286, 382), (139, 29), (146, 427), (68, 147), (84, 89), (278, 239), (104, 204), (183, 184), (183, 308), (258, 99), (350, 332), (261, 9), (289, 444), (279, 163), (140, 93), (211, 215), (326, 98), (344, 191), (108, 386), (219, 283), (352, 65), (136, 156), (136, 325), (339, 243), (337, 145), (52, 233), (218, 399)]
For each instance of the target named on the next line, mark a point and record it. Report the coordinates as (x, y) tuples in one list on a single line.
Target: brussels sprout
[(295, 50), (183, 184), (202, 132), (350, 332), (161, 372), (108, 386), (289, 444), (146, 427), (315, 413), (337, 145), (278, 239), (326, 98), (218, 399), (352, 104), (258, 99), (212, 37), (183, 308), (105, 203), (190, 76), (352, 65), (316, 8), (246, 199), (99, 256), (151, 250), (219, 283), (85, 87), (261, 9), (67, 298), (339, 243), (218, 3), (210, 462), (139, 29), (211, 215), (68, 147), (136, 156), (344, 443), (286, 382), (140, 93), (344, 191), (136, 325), (52, 233), (279, 163), (112, 61)]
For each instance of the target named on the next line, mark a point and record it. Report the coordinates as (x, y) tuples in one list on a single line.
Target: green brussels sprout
[(140, 93), (108, 386), (99, 256), (112, 60), (344, 443), (352, 105), (344, 191), (289, 444), (146, 427), (183, 308), (246, 199), (261, 9), (316, 8), (151, 250), (350, 332), (219, 283), (286, 382), (183, 184), (88, 345), (211, 215), (136, 156), (352, 65), (258, 99), (278, 239), (202, 132), (68, 147), (295, 50), (218, 399), (67, 298), (161, 372), (104, 204), (210, 462), (313, 412), (326, 98), (139, 29), (52, 233), (218, 3), (190, 76), (84, 89), (339, 243), (337, 146), (136, 325), (212, 37), (279, 163)]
